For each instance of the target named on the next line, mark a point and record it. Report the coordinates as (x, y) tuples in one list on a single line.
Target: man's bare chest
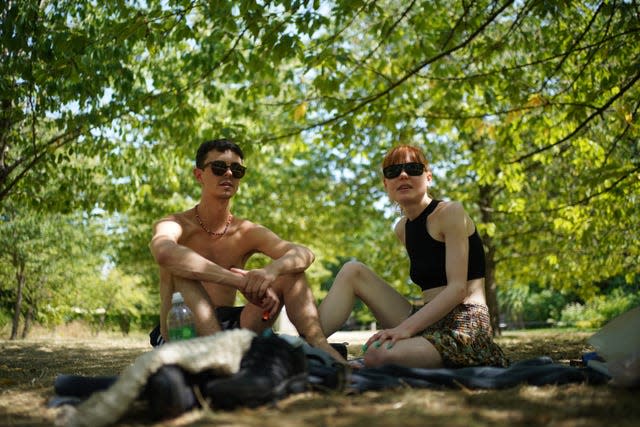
[(224, 251)]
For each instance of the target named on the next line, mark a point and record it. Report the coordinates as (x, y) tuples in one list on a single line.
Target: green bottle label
[(188, 332), (182, 333)]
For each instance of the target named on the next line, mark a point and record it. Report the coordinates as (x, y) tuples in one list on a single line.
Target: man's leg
[(303, 312), (195, 297), (252, 318)]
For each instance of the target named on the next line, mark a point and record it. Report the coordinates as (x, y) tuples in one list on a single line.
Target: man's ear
[(197, 173)]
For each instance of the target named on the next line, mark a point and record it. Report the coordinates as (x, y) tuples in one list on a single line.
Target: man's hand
[(256, 282), (257, 289)]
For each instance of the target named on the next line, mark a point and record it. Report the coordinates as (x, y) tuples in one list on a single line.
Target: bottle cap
[(176, 298)]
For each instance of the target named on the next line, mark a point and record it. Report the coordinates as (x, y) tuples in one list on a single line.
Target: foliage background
[(528, 111)]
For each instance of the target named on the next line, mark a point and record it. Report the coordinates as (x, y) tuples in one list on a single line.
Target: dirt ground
[(28, 370)]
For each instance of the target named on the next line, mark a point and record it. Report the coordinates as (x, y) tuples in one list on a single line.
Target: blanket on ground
[(110, 397), (537, 371)]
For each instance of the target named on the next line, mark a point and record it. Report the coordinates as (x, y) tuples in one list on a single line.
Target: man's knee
[(285, 281)]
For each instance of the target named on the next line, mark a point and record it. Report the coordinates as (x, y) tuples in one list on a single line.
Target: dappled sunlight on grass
[(28, 369)]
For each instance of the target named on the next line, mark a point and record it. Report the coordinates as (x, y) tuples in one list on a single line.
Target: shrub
[(599, 310), (531, 304)]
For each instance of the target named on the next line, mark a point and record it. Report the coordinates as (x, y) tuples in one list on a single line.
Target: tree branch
[(620, 136), (391, 29), (28, 165), (374, 97), (575, 43), (583, 201), (582, 125)]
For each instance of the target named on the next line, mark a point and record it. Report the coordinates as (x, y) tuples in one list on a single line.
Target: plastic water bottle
[(180, 320)]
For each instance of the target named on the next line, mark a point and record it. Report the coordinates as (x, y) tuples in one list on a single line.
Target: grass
[(28, 369)]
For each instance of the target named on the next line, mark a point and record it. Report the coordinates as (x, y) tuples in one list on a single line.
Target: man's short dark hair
[(220, 145)]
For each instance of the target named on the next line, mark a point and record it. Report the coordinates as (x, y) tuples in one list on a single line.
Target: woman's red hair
[(404, 153)]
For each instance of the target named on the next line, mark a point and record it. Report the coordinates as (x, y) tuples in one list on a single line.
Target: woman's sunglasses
[(219, 168), (412, 169)]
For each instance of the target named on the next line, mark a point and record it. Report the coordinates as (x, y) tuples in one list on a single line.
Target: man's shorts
[(228, 317)]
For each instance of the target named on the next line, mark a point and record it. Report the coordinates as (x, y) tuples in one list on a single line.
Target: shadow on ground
[(29, 368)]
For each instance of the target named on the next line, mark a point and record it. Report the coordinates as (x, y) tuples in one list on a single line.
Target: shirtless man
[(201, 253)]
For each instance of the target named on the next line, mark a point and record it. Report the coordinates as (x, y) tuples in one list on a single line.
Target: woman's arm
[(452, 227)]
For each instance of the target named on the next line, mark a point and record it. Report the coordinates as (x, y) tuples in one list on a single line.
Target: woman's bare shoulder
[(452, 214)]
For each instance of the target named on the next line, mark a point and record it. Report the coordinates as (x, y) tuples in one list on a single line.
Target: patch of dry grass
[(28, 369)]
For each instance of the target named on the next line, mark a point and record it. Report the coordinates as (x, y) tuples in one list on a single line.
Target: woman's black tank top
[(427, 255)]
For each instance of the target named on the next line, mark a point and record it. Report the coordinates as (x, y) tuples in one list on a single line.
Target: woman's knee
[(347, 277), (352, 270), (375, 357), (415, 352)]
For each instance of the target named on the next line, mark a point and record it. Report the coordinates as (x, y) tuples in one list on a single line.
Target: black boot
[(271, 369), (326, 373), (169, 392), (341, 347)]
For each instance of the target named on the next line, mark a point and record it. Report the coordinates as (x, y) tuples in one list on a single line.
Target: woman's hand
[(387, 337)]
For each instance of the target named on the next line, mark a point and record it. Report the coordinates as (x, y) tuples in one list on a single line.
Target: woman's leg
[(356, 280), (416, 352)]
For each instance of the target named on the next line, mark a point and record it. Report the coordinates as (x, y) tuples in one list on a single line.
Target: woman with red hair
[(452, 327)]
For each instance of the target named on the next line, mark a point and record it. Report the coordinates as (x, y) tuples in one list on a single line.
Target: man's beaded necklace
[(213, 233)]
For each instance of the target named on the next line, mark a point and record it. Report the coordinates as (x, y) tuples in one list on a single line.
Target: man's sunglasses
[(219, 168), (412, 169)]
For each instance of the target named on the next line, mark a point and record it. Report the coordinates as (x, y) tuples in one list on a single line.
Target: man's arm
[(182, 261), (288, 258), (296, 259)]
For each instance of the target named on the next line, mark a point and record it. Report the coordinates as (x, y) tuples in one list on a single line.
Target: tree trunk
[(28, 321), (490, 285), (491, 290), (15, 323)]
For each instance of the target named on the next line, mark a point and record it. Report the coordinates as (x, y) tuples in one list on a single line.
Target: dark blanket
[(538, 371)]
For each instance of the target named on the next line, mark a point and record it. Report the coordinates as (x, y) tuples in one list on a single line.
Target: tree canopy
[(528, 111)]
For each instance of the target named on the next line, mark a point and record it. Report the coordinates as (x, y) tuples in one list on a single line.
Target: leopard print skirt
[(464, 338)]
